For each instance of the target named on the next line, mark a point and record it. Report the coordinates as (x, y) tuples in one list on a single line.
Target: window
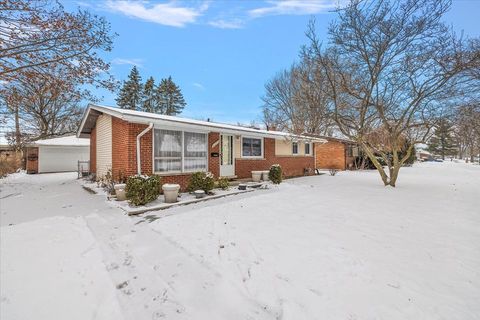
[(168, 150), (177, 151), (307, 148), (252, 147), (195, 158), (295, 147)]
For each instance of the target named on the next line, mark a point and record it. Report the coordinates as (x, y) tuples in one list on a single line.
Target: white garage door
[(59, 158)]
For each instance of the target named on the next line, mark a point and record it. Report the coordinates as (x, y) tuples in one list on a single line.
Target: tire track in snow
[(157, 278)]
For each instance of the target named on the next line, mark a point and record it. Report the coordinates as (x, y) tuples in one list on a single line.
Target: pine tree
[(443, 142), (149, 101), (169, 97), (130, 95)]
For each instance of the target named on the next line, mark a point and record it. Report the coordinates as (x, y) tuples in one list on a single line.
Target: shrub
[(141, 190), (275, 174), (223, 183), (201, 181), (106, 182)]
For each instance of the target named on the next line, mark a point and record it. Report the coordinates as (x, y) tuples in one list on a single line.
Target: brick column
[(214, 162)]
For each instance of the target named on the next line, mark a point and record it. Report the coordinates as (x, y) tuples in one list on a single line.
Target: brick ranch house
[(175, 147), (336, 153)]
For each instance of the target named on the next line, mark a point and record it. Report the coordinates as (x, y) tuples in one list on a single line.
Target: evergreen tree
[(149, 101), (130, 95), (443, 142), (169, 98)]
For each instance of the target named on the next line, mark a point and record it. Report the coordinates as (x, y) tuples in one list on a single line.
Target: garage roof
[(70, 141)]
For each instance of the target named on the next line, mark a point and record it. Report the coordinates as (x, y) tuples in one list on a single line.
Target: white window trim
[(251, 157), (182, 171), (309, 148), (297, 153)]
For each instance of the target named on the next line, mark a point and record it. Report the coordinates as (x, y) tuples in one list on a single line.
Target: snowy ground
[(341, 247)]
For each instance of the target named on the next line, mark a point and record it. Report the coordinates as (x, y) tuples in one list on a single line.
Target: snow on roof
[(126, 113), (64, 141)]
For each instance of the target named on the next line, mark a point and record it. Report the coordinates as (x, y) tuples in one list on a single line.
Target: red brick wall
[(93, 150), (214, 162), (330, 155), (145, 148), (124, 148), (292, 166), (181, 179), (32, 160)]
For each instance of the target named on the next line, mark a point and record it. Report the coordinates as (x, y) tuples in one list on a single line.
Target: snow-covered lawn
[(321, 247)]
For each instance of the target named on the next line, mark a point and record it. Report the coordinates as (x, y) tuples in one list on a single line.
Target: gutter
[(139, 161)]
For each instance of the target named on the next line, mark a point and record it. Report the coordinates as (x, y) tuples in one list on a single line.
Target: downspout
[(139, 160)]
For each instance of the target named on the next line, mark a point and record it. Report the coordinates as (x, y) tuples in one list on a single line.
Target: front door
[(227, 165)]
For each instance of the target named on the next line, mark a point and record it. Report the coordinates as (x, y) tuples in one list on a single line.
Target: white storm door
[(227, 164)]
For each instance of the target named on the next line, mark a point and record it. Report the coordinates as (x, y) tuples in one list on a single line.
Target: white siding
[(104, 145)]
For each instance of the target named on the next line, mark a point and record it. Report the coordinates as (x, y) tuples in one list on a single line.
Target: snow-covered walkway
[(322, 247)]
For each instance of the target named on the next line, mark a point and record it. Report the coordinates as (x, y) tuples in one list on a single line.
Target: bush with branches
[(141, 190), (201, 181), (223, 183), (275, 174)]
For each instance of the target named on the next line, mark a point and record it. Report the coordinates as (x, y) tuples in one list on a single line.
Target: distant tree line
[(458, 134), (387, 76), (164, 98)]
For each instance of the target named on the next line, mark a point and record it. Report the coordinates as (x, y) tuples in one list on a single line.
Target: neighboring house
[(423, 155), (57, 154), (175, 147), (336, 154)]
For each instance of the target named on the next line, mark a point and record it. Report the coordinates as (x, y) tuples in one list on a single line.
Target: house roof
[(71, 141), (93, 111), (327, 138)]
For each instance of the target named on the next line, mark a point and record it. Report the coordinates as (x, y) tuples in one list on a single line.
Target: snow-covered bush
[(141, 190), (275, 174), (201, 181), (223, 183)]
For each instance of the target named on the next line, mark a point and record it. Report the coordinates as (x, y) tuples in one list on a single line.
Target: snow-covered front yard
[(321, 247)]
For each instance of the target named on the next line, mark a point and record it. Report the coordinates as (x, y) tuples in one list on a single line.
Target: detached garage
[(57, 154)]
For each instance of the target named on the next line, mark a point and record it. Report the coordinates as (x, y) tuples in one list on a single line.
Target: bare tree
[(391, 68), (467, 130), (35, 34), (296, 100), (44, 104), (279, 107), (47, 58)]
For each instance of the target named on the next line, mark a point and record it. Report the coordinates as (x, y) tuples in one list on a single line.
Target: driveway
[(30, 197)]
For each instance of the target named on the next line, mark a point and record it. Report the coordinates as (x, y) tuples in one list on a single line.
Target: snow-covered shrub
[(223, 183), (333, 172), (141, 190), (201, 181), (275, 174)]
